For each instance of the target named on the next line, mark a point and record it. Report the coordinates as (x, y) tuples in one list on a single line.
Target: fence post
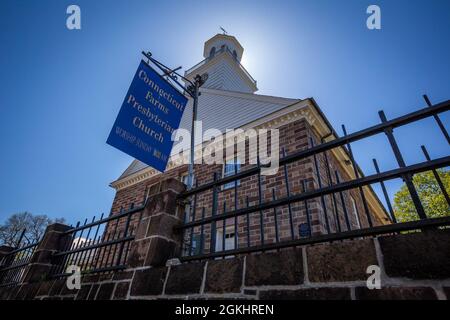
[(42, 261), (4, 262), (4, 250), (156, 241)]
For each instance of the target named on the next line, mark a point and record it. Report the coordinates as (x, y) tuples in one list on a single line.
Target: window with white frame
[(229, 238), (230, 168), (355, 213)]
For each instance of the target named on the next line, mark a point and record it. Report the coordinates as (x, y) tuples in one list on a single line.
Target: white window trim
[(219, 237), (230, 185)]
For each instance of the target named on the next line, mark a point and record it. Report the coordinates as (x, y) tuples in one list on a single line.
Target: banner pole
[(199, 80), (194, 119)]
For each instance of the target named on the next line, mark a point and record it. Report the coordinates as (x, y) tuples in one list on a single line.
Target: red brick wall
[(293, 137)]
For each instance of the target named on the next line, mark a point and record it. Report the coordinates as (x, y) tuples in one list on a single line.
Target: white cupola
[(220, 42), (223, 55)]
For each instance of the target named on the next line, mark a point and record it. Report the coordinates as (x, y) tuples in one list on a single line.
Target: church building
[(229, 100)]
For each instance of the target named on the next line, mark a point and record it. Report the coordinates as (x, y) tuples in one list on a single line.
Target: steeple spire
[(223, 30)]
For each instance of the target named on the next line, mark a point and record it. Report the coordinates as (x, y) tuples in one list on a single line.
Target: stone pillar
[(5, 261), (42, 261), (155, 240), (4, 250)]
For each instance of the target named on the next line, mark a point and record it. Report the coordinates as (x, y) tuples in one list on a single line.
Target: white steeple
[(223, 54)]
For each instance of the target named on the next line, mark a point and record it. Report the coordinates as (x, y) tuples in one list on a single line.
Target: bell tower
[(222, 61)]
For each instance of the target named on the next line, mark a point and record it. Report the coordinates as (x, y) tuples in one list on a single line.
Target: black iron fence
[(201, 227), (102, 245), (98, 246), (13, 264)]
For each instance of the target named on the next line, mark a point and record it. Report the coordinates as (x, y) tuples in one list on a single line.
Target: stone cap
[(4, 249), (58, 227)]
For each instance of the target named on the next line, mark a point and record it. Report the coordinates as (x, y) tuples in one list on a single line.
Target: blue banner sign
[(151, 111)]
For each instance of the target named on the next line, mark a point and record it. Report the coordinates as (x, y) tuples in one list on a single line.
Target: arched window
[(212, 52)]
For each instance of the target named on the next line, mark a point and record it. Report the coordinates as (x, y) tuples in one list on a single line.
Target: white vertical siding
[(223, 75)]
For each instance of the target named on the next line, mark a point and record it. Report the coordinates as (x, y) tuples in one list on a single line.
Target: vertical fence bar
[(407, 177), (213, 213), (308, 218), (17, 273), (330, 183), (108, 237), (94, 239), (104, 262), (125, 232), (344, 207), (261, 218), (319, 181), (193, 219), (361, 190), (235, 206), (113, 258), (115, 236), (97, 253), (288, 193), (247, 202), (21, 237), (202, 232), (11, 275), (65, 260), (224, 231), (438, 120), (436, 176), (77, 255), (127, 247), (185, 232), (277, 238), (86, 243), (385, 193)]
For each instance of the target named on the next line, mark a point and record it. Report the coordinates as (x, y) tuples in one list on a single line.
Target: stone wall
[(413, 266)]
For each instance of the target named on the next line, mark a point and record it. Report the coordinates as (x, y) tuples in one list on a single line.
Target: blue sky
[(61, 89)]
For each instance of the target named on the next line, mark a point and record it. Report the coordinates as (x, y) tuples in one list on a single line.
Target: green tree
[(430, 194)]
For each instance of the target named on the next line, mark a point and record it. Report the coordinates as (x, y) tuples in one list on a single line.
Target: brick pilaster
[(155, 240)]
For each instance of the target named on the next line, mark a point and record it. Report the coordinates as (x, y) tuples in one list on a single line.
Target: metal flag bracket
[(192, 89)]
